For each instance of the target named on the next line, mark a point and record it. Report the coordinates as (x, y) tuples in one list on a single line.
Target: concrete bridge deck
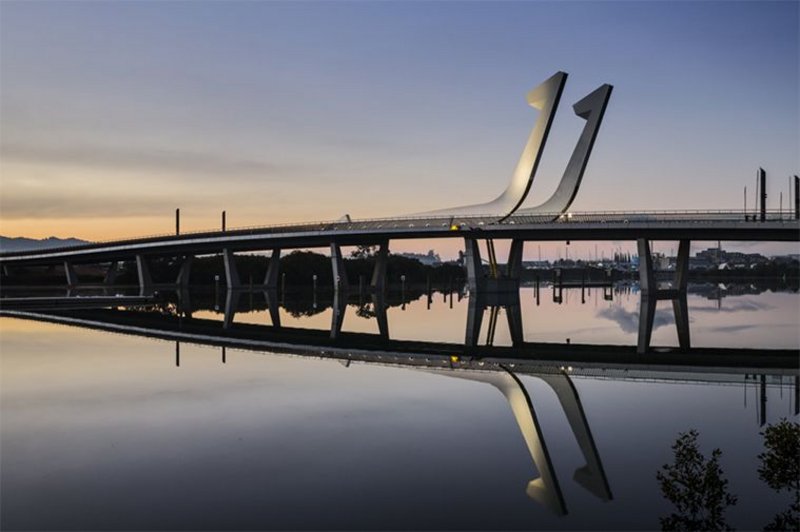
[(684, 225)]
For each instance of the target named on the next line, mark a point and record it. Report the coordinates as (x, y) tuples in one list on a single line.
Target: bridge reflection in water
[(502, 367), (545, 488)]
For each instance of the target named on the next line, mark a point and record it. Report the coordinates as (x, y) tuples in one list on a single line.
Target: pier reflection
[(478, 304)]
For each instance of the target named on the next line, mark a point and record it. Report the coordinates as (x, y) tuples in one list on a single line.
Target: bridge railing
[(456, 222)]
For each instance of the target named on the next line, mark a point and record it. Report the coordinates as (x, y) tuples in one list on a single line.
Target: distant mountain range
[(24, 244)]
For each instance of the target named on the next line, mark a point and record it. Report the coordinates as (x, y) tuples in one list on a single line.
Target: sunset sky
[(113, 114)]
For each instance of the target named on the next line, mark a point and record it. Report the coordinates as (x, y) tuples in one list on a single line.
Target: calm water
[(107, 430)]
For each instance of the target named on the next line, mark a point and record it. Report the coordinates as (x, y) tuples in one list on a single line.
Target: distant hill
[(24, 244)]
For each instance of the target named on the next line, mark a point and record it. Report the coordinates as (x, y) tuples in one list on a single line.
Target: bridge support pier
[(478, 282), (647, 314), (337, 264), (271, 278), (379, 303), (378, 282), (184, 302), (472, 257), (648, 284), (651, 294), (271, 297), (647, 281), (231, 272), (145, 280), (231, 306), (514, 266), (69, 272), (339, 308), (185, 273), (477, 305)]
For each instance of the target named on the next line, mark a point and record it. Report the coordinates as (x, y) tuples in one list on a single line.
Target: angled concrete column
[(592, 476), (339, 308), (271, 297), (271, 278), (647, 314), (682, 266), (475, 308), (231, 306), (337, 264), (378, 282), (680, 308), (647, 280), (472, 256), (231, 272), (514, 315), (111, 273), (515, 259), (145, 281), (185, 273), (69, 271), (379, 303), (184, 302)]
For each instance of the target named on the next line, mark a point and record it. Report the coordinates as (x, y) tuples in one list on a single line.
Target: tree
[(780, 469), (696, 486), (363, 252)]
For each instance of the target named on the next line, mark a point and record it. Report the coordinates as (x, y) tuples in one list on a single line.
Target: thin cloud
[(147, 159), (730, 305), (57, 204), (628, 321)]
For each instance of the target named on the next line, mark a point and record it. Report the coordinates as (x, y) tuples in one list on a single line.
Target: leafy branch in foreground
[(780, 469), (696, 486)]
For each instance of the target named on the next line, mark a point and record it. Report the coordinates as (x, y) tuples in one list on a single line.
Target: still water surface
[(104, 430)]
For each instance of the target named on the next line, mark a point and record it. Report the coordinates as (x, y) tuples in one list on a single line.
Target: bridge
[(503, 218), (640, 227)]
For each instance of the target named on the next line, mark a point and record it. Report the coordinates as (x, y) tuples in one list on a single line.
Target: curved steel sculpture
[(545, 98), (591, 108)]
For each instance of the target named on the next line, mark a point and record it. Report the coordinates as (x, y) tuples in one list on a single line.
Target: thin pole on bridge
[(223, 221), (796, 198), (762, 177), (755, 201), (745, 202), (177, 221)]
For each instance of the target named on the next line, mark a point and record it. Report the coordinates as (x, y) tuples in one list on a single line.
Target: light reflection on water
[(103, 431)]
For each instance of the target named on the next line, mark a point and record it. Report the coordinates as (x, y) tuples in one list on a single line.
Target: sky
[(113, 114)]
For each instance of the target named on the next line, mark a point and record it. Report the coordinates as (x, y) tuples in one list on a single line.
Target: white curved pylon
[(545, 98), (591, 108)]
